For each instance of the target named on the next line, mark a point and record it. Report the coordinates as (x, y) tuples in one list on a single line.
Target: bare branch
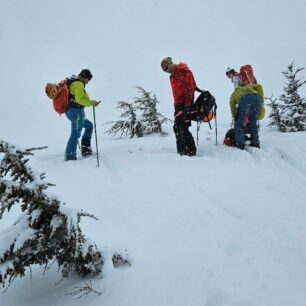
[(84, 290)]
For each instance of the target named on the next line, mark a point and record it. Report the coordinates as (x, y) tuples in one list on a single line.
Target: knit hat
[(85, 73), (230, 70), (165, 62)]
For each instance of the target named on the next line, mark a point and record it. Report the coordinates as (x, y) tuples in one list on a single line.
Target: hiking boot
[(191, 152), (86, 147), (255, 145), (241, 147)]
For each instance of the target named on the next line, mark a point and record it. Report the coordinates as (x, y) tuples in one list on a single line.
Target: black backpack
[(204, 108), (229, 139)]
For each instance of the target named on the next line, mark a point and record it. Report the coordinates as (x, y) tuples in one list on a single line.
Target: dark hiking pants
[(247, 104), (78, 122), (184, 140)]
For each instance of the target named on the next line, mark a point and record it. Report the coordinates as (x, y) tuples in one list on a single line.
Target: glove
[(95, 103)]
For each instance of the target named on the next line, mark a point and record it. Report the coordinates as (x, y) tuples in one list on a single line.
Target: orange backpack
[(59, 93), (246, 75)]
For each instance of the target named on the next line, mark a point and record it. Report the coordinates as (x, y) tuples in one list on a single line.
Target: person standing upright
[(183, 88), (78, 100)]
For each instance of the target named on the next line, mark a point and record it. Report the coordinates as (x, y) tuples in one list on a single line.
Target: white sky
[(123, 42)]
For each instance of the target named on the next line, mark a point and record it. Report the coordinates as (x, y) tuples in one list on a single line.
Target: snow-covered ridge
[(223, 228)]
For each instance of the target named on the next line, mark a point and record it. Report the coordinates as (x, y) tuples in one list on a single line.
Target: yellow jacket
[(249, 89), (77, 89)]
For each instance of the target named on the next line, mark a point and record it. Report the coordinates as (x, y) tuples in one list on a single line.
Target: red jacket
[(183, 85)]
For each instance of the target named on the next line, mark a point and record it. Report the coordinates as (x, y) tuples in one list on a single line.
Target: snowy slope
[(224, 228)]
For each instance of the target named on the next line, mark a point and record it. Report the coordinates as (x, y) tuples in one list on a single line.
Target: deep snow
[(226, 228)]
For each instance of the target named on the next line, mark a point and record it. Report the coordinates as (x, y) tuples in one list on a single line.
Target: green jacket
[(241, 91), (77, 89)]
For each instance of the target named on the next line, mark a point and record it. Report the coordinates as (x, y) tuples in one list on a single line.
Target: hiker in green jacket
[(78, 100), (247, 100)]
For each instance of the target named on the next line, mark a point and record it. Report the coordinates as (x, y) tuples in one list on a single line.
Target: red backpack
[(59, 93), (60, 103), (246, 75)]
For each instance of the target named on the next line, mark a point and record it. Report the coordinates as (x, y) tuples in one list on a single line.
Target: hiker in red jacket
[(183, 88)]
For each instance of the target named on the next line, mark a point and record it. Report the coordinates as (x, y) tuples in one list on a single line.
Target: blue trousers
[(249, 104), (78, 122)]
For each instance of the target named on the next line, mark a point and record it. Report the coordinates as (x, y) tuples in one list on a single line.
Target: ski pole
[(198, 129), (216, 128), (94, 116)]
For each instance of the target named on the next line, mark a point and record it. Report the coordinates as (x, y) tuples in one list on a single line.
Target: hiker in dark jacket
[(78, 100), (183, 88)]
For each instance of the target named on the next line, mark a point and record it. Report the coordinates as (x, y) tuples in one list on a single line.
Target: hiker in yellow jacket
[(247, 100), (78, 99)]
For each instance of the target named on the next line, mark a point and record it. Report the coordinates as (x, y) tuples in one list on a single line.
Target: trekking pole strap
[(199, 90)]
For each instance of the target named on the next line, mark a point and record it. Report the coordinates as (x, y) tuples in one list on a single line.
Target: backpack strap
[(71, 100)]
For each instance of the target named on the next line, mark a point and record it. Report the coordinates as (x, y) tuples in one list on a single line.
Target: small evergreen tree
[(151, 119), (275, 115), (140, 117), (131, 126), (293, 107), (46, 231)]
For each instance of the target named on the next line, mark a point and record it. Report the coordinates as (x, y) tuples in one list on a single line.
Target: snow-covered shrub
[(46, 231), (130, 125), (139, 117), (151, 119), (293, 106), (275, 115)]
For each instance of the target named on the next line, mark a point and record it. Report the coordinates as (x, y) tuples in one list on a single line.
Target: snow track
[(224, 228)]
